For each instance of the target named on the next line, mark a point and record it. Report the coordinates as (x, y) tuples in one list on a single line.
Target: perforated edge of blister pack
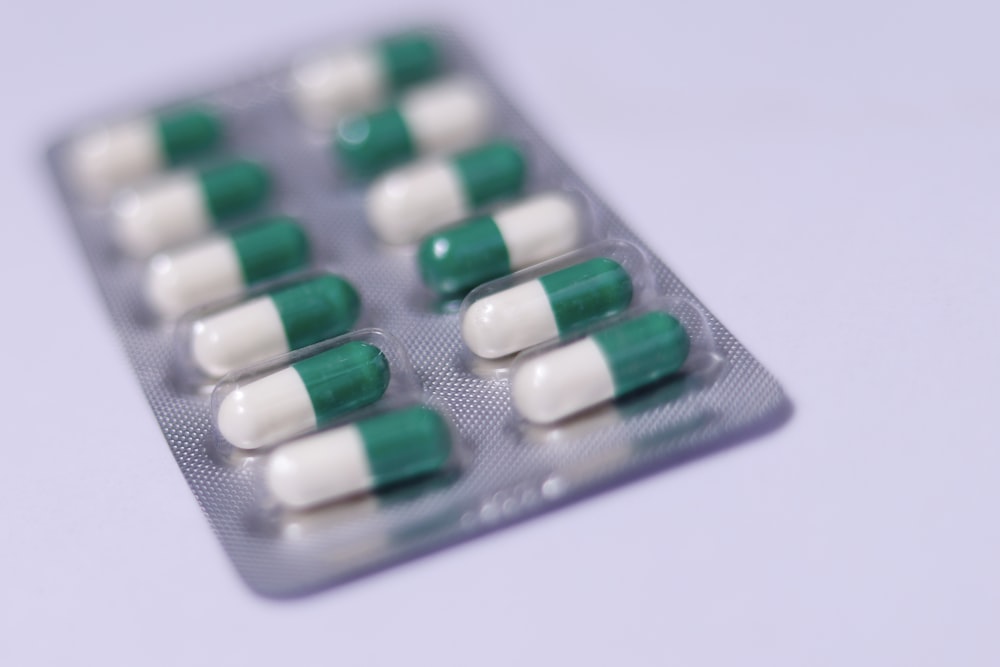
[(511, 470)]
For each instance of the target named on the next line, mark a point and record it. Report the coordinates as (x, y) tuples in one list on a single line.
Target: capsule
[(455, 260), (370, 454), (223, 265), (554, 305), (436, 118), (276, 323), (184, 206), (113, 156), (410, 202), (602, 366), (361, 79), (304, 396)]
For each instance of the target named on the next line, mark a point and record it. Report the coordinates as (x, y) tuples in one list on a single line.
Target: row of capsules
[(338, 409), (275, 338)]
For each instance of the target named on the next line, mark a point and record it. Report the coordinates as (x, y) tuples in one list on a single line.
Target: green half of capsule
[(186, 133), (369, 143), (490, 172), (456, 260), (643, 350), (584, 293), (234, 188), (316, 309), (344, 378), (408, 58), (270, 248), (405, 444)]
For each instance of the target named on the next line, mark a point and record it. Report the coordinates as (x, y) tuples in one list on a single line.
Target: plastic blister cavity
[(400, 445), (294, 394), (271, 320), (645, 358), (550, 301), (503, 240)]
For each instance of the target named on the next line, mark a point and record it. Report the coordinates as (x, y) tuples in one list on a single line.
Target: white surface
[(111, 156), (447, 116), (824, 176), (237, 337), (319, 468), (509, 321), (327, 87), (192, 276), (407, 203), (562, 382), (160, 214), (266, 411), (538, 228)]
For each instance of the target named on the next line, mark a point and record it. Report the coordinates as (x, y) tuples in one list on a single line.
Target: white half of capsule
[(328, 87), (267, 411), (447, 116), (160, 214), (538, 228), (509, 321), (319, 468), (110, 157), (562, 382), (406, 204), (192, 276), (237, 337)]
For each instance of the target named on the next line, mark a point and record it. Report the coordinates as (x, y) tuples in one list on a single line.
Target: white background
[(823, 175)]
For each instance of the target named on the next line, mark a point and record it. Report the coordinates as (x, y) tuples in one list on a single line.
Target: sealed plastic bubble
[(224, 264), (273, 320), (300, 392), (663, 343), (121, 152), (441, 116), (511, 237), (409, 202), (555, 299), (346, 496), (403, 442)]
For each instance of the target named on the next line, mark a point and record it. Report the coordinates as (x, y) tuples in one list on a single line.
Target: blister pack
[(375, 314)]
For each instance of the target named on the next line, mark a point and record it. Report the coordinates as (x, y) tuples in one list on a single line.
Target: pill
[(184, 206), (224, 264), (276, 323), (552, 306), (409, 202), (605, 365), (115, 155), (370, 454), (304, 396), (435, 118), (361, 79), (514, 237)]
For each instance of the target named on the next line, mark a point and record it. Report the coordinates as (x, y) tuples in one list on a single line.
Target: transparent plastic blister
[(502, 468), (210, 329)]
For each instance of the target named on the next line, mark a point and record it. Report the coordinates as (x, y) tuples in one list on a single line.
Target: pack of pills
[(376, 315)]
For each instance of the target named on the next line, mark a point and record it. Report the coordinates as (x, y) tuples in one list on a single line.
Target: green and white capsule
[(514, 237), (600, 367), (435, 118), (116, 155), (276, 323), (340, 83), (224, 265), (370, 454), (304, 396), (552, 306), (187, 205), (406, 204)]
